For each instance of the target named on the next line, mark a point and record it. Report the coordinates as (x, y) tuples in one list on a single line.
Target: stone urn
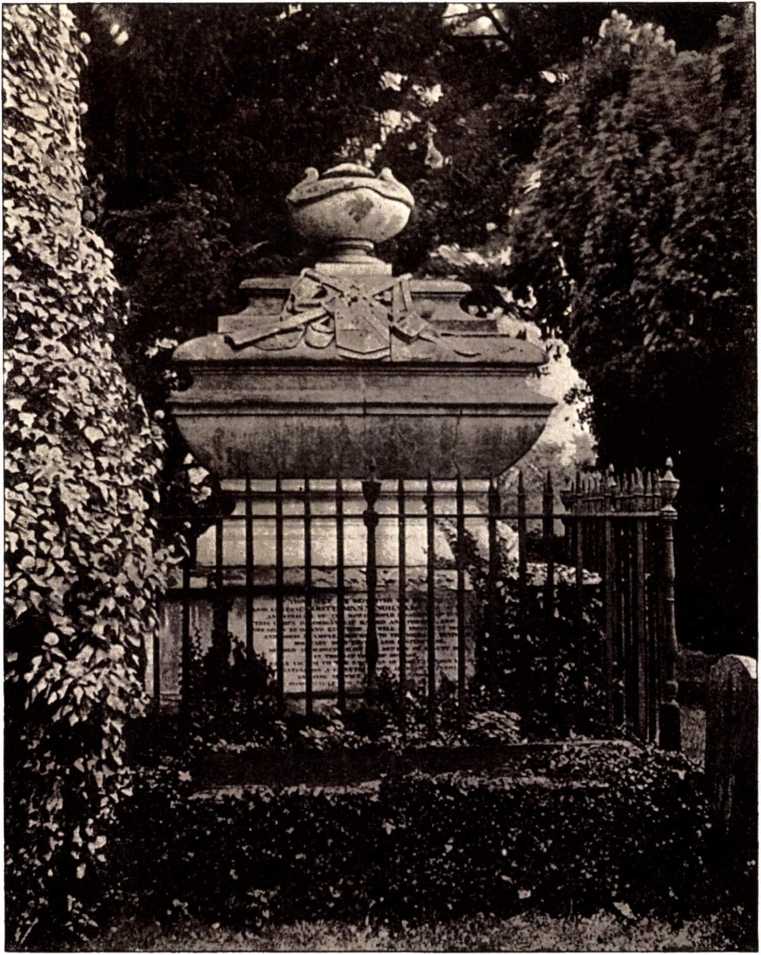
[(348, 209), (345, 366)]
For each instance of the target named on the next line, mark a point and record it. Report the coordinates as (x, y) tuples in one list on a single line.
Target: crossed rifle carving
[(327, 309)]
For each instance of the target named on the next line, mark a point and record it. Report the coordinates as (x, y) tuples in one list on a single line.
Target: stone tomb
[(322, 374), (324, 576)]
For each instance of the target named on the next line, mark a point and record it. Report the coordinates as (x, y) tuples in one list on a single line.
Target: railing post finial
[(670, 729), (668, 486)]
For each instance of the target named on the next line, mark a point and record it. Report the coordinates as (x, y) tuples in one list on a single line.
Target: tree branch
[(496, 22)]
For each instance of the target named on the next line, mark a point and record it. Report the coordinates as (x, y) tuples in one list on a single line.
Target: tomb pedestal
[(339, 372)]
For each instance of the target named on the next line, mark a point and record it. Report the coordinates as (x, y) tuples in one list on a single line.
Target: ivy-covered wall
[(83, 561)]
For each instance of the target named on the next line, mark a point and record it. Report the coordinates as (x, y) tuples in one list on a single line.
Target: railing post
[(220, 610), (249, 594), (613, 657), (522, 563), (548, 546), (431, 603), (494, 506), (524, 663), (186, 649), (670, 728), (628, 653), (461, 677), (402, 590), (221, 627), (279, 610), (653, 608), (156, 659), (578, 562), (371, 489), (308, 654), (340, 597), (639, 624)]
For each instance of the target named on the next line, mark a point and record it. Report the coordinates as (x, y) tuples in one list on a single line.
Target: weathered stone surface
[(437, 300), (731, 746), (324, 640), (349, 209), (323, 511), (321, 421), (345, 368)]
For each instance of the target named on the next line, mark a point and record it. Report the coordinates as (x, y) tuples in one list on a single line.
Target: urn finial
[(348, 210)]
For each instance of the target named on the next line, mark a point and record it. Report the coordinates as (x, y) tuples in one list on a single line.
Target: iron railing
[(617, 528)]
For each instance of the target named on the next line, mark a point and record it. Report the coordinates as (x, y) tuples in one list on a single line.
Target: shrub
[(576, 828), (548, 669), (634, 228)]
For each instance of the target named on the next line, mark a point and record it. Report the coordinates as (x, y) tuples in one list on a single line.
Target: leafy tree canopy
[(635, 231)]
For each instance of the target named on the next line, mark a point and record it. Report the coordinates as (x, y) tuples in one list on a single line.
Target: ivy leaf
[(93, 434)]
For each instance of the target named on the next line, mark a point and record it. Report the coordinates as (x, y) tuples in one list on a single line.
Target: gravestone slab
[(731, 746)]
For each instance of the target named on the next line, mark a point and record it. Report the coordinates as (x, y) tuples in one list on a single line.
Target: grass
[(525, 933)]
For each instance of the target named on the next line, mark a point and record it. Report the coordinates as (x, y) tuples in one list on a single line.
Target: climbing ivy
[(83, 560)]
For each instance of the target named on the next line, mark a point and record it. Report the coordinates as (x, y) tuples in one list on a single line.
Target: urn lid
[(345, 178)]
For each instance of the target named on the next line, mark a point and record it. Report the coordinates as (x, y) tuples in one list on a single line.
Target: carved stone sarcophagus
[(345, 366)]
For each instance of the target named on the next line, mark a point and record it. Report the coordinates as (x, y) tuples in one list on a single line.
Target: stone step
[(366, 765)]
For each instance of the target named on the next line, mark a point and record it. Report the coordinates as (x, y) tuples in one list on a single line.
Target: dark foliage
[(572, 829), (546, 667), (201, 122), (204, 118), (637, 238)]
